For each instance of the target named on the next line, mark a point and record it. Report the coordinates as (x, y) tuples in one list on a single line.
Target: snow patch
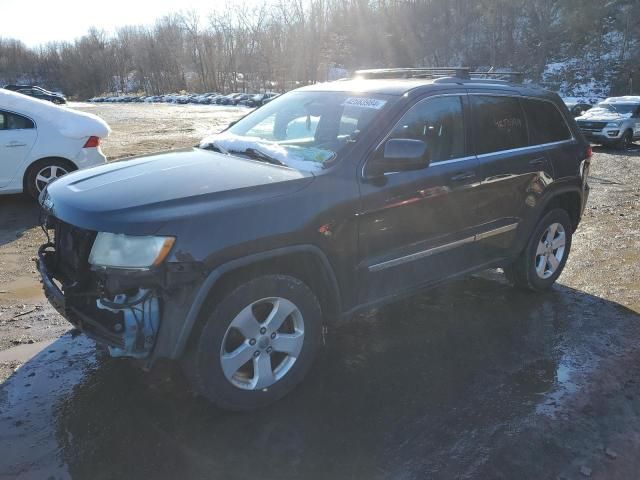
[(299, 160), (69, 123)]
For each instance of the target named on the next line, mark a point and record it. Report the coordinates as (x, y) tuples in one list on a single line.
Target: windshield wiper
[(256, 154), (252, 153), (216, 148)]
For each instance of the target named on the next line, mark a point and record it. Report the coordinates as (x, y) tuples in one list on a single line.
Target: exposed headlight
[(127, 251), (614, 124)]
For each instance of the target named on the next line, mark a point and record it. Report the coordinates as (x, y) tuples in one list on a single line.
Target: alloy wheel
[(550, 251), (262, 343), (47, 175)]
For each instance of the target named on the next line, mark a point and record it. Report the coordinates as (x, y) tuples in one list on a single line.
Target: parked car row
[(246, 99)]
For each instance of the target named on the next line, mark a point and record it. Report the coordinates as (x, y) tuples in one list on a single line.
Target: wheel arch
[(306, 262), (568, 199), (29, 168)]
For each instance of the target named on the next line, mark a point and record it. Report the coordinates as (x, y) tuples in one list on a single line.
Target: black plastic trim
[(208, 285)]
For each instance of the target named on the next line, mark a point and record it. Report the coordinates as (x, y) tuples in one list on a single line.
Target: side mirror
[(399, 155)]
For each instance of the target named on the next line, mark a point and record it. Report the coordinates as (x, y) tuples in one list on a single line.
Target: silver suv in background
[(613, 122)]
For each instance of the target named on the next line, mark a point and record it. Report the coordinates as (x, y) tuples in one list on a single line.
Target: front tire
[(257, 344), (626, 140), (541, 262)]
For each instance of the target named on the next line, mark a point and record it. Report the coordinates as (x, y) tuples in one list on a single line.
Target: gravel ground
[(504, 384)]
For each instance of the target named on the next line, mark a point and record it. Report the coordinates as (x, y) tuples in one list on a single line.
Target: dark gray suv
[(330, 199)]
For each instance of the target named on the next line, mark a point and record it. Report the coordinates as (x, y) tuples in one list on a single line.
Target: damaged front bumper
[(127, 323), (139, 314)]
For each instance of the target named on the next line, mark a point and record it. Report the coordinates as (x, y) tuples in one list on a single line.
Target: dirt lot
[(471, 380)]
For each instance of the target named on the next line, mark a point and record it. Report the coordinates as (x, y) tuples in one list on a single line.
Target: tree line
[(277, 46)]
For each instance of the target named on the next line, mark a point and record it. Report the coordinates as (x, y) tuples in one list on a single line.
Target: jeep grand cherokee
[(330, 199)]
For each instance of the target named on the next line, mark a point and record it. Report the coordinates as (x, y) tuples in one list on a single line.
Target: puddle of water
[(24, 289), (28, 403), (564, 386), (394, 395)]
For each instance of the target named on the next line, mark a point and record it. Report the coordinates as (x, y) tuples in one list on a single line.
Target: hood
[(139, 195), (602, 114)]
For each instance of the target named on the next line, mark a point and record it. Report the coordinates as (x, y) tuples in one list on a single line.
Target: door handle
[(462, 176), (537, 161), (15, 144)]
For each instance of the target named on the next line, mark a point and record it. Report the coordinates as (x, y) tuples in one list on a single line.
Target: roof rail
[(420, 72), (455, 73), (516, 77)]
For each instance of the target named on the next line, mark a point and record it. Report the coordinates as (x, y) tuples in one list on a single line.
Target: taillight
[(589, 152), (93, 142)]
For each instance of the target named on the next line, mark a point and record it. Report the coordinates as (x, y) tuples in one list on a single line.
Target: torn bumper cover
[(136, 313), (126, 323)]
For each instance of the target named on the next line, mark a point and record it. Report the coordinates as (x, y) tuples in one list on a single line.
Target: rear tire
[(541, 262), (43, 172), (257, 343)]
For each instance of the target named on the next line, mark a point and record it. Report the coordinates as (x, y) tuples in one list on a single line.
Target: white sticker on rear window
[(364, 102)]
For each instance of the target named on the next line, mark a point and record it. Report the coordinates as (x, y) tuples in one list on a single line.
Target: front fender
[(209, 284)]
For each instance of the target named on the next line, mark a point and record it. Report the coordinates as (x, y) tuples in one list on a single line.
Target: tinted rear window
[(499, 123), (11, 121), (546, 123)]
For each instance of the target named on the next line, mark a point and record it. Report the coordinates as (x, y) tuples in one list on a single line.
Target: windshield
[(303, 130), (621, 108)]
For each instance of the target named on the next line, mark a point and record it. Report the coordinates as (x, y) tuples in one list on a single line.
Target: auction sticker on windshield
[(364, 102)]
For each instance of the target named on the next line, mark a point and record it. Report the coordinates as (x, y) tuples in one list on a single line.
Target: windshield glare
[(303, 130)]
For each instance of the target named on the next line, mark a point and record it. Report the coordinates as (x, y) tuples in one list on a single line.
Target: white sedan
[(40, 142)]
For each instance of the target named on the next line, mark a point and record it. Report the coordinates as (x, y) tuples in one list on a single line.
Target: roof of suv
[(398, 81), (400, 86)]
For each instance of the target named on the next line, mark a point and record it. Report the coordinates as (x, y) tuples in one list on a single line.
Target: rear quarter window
[(12, 121), (498, 123), (546, 123)]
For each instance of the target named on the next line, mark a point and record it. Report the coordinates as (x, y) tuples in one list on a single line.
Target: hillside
[(588, 49)]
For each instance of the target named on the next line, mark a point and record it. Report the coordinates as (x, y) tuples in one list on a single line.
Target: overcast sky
[(40, 21)]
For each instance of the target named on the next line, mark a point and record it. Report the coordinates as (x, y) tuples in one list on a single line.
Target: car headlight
[(127, 251), (614, 124)]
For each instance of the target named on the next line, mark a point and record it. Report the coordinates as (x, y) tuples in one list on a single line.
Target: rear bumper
[(89, 157)]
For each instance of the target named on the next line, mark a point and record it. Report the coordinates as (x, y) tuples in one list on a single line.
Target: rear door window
[(546, 123), (499, 123)]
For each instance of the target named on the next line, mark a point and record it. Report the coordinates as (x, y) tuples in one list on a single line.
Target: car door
[(416, 227), (17, 137), (513, 172)]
